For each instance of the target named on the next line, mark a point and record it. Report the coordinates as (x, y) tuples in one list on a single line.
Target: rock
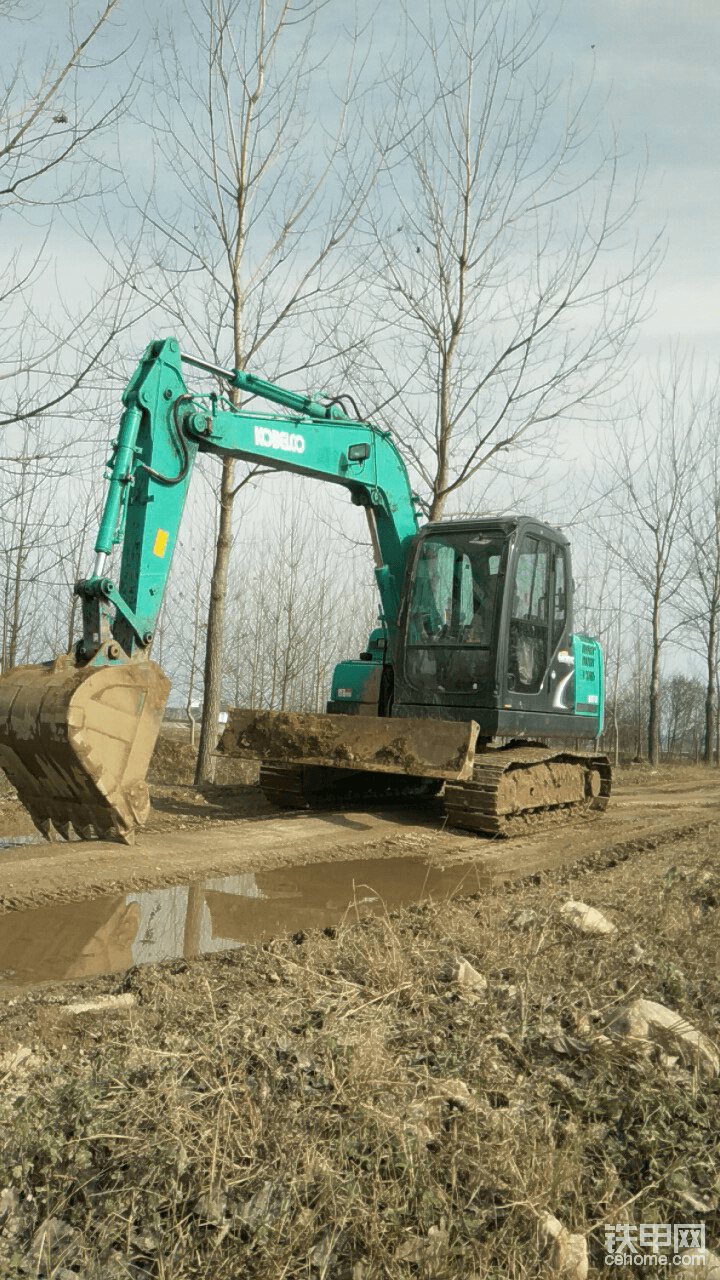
[(210, 1206), (54, 1241), (124, 1000), (636, 953), (464, 974), (271, 1202), (568, 1254), (586, 919), (13, 1215), (14, 1058), (424, 1251), (649, 1022), (524, 919)]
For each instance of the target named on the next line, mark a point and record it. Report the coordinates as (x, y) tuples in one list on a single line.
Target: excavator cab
[(486, 632)]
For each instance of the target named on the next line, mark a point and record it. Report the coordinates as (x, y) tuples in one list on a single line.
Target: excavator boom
[(77, 733)]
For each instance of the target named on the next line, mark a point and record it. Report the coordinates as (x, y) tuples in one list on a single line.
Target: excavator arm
[(162, 430), (77, 733)]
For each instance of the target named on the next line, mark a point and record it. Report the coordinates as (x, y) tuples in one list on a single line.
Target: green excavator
[(473, 671)]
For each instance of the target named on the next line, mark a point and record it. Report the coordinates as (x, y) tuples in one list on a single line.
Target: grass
[(332, 1107)]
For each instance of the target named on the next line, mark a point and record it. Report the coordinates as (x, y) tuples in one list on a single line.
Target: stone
[(210, 1206), (586, 919), (567, 1253), (524, 919), (14, 1058), (648, 1022), (54, 1241), (424, 1251), (464, 974), (125, 1000)]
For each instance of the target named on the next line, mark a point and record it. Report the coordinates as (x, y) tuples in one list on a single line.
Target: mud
[(421, 748), (229, 829), (109, 934), (232, 830)]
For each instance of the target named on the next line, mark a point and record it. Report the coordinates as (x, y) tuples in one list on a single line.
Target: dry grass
[(331, 1107)]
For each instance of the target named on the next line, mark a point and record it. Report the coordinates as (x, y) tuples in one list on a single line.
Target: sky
[(655, 63), (652, 67)]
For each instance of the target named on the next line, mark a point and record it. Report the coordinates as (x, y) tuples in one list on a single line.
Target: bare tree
[(506, 282), (295, 611), (58, 106), (24, 551), (50, 120), (643, 509), (682, 699), (631, 707), (702, 588), (247, 237)]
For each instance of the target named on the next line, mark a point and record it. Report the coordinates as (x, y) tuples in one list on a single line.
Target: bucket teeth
[(68, 832)]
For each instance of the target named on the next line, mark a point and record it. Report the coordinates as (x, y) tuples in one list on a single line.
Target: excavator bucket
[(76, 743), (418, 748)]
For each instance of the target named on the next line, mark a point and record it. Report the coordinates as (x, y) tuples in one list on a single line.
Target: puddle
[(103, 935)]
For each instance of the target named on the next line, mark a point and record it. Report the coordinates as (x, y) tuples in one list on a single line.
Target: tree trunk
[(710, 695), (654, 717), (717, 720), (205, 765)]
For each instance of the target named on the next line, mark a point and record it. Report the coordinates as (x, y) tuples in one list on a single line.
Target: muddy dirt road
[(433, 1078), (232, 830)]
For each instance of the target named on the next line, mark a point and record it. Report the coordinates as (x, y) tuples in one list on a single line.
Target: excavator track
[(512, 791), (517, 789), (282, 785), (300, 786)]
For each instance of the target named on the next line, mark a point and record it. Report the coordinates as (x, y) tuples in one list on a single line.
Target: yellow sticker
[(161, 541)]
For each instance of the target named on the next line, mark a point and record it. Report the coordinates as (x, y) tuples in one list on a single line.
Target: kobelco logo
[(269, 438)]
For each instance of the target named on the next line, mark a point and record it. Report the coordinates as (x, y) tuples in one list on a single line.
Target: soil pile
[(173, 761)]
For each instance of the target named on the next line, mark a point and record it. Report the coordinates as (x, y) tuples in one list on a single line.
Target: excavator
[(472, 672)]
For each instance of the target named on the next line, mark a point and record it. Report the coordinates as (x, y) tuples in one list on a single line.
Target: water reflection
[(72, 940)]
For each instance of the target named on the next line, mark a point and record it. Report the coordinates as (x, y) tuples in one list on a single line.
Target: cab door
[(528, 636), (538, 623)]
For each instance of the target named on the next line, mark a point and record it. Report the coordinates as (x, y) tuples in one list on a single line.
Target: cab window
[(528, 647)]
